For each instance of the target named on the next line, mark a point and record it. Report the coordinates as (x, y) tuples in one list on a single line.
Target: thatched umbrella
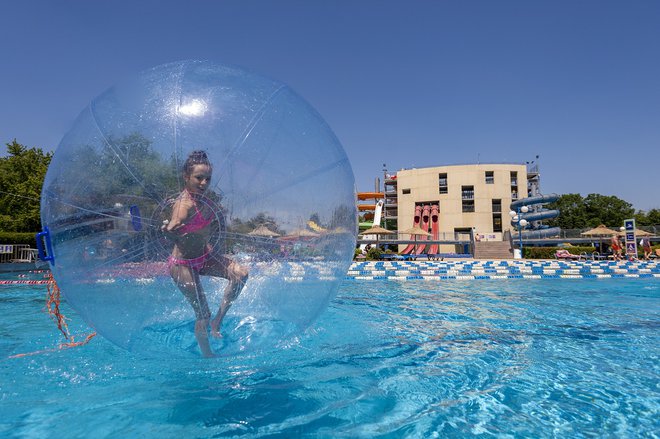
[(377, 230), (638, 232), (600, 232), (415, 231), (262, 230), (300, 233)]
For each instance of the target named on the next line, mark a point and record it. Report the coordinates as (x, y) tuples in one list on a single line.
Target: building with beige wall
[(475, 196)]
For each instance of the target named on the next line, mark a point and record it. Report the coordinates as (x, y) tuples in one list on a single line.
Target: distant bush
[(18, 238), (374, 253), (549, 252)]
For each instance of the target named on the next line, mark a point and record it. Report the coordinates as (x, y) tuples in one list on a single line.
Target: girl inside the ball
[(196, 217)]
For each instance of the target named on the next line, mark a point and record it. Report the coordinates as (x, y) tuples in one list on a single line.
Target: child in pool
[(192, 224)]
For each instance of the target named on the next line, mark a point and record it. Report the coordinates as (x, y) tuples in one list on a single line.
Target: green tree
[(640, 218), (576, 212), (653, 216), (22, 175), (608, 210), (240, 227), (572, 212), (650, 218), (125, 170)]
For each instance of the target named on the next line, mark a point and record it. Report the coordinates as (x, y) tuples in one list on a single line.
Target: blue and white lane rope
[(502, 269)]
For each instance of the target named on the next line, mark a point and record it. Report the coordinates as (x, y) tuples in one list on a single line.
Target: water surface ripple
[(510, 358)]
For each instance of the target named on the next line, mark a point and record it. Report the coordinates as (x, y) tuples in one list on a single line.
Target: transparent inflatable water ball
[(278, 203)]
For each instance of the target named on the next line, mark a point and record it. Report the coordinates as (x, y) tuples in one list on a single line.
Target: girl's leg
[(237, 279), (188, 282), (237, 276)]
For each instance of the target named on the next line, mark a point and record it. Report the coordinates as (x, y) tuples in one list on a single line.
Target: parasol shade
[(263, 231), (601, 230), (377, 230), (638, 232), (415, 231)]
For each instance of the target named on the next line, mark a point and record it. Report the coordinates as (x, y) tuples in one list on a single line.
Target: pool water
[(506, 358)]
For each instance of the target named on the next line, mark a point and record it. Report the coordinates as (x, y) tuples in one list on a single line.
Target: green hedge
[(549, 252), (18, 238), (374, 253)]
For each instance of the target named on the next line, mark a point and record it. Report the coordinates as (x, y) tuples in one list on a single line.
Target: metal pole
[(520, 232)]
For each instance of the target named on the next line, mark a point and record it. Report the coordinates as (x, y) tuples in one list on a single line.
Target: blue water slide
[(538, 215), (538, 233), (538, 199)]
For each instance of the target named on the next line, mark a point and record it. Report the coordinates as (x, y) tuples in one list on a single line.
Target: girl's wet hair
[(198, 157)]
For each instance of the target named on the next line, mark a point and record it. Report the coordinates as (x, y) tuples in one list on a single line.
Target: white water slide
[(377, 216)]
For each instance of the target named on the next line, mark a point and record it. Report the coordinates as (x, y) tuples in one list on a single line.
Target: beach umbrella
[(377, 230), (300, 233), (599, 232), (638, 232), (263, 231), (415, 231)]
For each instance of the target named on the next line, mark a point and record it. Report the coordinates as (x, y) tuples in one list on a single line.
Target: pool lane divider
[(294, 272), (501, 269), (23, 282)]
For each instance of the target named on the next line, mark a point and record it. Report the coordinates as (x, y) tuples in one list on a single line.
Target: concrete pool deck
[(501, 269)]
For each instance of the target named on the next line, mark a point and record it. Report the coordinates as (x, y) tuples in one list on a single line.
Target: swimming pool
[(512, 357)]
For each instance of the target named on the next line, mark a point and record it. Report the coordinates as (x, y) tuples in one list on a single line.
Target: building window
[(490, 177), (497, 215), (514, 185), (467, 192), (467, 195), (514, 178), (497, 222), (442, 183), (405, 191)]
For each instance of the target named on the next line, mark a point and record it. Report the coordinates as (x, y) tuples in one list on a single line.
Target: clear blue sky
[(406, 83)]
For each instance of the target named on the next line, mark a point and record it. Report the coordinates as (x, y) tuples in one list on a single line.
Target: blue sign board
[(631, 242)]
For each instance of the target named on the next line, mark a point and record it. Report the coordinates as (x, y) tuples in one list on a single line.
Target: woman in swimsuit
[(616, 247), (191, 226)]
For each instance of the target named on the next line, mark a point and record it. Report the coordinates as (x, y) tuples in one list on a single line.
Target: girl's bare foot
[(215, 328)]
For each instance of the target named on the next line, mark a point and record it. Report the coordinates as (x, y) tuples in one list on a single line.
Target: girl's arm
[(180, 212)]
